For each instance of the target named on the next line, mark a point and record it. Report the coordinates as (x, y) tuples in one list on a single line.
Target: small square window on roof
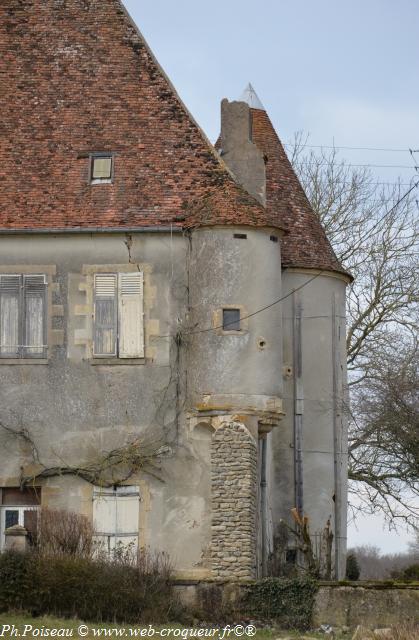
[(231, 320), (102, 166)]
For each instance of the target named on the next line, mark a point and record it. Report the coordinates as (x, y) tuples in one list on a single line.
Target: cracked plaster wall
[(74, 409)]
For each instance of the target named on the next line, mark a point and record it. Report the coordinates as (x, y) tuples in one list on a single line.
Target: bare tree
[(374, 231), (381, 566), (384, 442)]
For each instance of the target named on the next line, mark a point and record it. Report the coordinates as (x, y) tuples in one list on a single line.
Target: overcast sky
[(344, 72)]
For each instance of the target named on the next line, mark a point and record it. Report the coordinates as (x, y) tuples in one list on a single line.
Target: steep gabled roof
[(77, 77), (305, 244)]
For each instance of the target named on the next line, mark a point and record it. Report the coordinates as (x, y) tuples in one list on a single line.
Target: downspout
[(298, 405), (263, 505), (336, 439)]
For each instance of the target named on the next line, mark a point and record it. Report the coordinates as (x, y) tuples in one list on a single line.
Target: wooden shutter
[(105, 318), (30, 522), (10, 315), (116, 517), (131, 321), (35, 333)]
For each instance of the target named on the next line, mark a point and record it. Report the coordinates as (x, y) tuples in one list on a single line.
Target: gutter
[(89, 230)]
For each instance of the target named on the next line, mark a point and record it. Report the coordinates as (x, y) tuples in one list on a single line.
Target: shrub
[(117, 589), (289, 602), (352, 568), (65, 532), (408, 574)]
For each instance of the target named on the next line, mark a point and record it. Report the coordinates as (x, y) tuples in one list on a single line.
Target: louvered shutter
[(116, 517), (34, 338), (131, 322), (105, 318), (10, 316)]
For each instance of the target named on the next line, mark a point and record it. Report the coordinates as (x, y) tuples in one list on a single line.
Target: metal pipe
[(298, 404), (263, 509), (336, 440)]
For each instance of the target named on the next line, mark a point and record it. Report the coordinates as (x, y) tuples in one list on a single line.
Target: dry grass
[(405, 632)]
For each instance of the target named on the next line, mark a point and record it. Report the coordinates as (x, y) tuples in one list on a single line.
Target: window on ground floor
[(19, 507), (116, 514)]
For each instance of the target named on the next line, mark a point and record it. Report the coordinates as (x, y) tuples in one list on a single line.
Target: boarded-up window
[(116, 517), (20, 497), (23, 326), (118, 317)]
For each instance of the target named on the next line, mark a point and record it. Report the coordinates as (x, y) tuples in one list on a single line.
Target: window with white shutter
[(116, 517), (118, 315), (105, 315), (23, 316)]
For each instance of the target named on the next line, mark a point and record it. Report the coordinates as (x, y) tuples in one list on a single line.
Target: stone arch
[(203, 431), (234, 502), (201, 440)]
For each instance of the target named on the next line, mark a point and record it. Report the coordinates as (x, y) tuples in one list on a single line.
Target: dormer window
[(101, 168)]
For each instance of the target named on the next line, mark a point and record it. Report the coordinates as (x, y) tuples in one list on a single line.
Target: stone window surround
[(55, 337), (217, 320), (89, 271)]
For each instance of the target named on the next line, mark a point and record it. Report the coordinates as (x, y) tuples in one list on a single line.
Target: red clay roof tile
[(78, 77), (306, 244)]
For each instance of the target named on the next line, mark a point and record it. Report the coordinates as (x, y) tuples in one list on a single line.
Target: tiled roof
[(77, 77), (305, 244)]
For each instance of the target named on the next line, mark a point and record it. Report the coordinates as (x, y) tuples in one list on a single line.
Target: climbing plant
[(289, 602)]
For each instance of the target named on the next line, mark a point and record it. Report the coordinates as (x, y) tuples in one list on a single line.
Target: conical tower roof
[(251, 98), (77, 78), (306, 243)]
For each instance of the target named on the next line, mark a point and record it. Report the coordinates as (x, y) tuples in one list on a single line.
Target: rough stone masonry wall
[(234, 496), (370, 605)]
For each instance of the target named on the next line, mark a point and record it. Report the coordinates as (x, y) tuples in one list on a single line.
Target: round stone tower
[(234, 359), (308, 475)]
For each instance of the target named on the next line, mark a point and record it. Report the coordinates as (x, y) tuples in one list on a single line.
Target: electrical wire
[(255, 313), (325, 146), (290, 293), (382, 166)]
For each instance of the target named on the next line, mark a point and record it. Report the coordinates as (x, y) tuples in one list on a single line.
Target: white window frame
[(125, 321), (101, 156), (10, 507), (27, 284)]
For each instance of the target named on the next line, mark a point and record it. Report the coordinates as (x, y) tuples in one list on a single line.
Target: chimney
[(238, 151)]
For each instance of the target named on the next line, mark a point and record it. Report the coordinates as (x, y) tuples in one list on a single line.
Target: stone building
[(172, 316)]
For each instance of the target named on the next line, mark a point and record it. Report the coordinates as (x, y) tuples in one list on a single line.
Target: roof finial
[(250, 96)]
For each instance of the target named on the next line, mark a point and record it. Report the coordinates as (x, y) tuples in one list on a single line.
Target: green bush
[(352, 568), (289, 602), (411, 573), (90, 589)]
